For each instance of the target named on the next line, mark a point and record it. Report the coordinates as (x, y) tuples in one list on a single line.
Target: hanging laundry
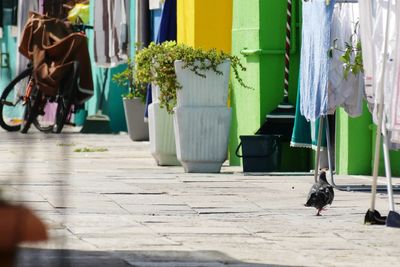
[(367, 14), (142, 22), (346, 92), (314, 67), (155, 4), (41, 6), (373, 20), (394, 122), (305, 133), (111, 32), (23, 13)]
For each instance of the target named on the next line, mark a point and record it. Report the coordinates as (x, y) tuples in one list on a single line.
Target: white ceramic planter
[(202, 119), (162, 138), (199, 91), (202, 135), (138, 129), (155, 94)]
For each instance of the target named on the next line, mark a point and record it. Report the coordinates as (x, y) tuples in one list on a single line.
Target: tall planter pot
[(202, 119), (161, 133), (138, 129)]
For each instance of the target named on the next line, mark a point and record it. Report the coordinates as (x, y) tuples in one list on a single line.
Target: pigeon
[(321, 194)]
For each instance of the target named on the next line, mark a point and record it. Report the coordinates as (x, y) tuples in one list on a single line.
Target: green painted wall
[(260, 25), (355, 146), (353, 143)]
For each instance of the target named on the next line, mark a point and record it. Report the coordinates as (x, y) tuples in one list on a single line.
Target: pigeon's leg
[(319, 212)]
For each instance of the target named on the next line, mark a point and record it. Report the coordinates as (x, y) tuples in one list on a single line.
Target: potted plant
[(134, 107), (193, 85), (161, 127)]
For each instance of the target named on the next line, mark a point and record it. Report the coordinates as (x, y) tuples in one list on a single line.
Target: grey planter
[(138, 129)]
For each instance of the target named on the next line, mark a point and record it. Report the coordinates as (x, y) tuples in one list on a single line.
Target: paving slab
[(118, 208)]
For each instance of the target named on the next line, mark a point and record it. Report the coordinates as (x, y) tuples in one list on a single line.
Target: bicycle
[(22, 102), (17, 100)]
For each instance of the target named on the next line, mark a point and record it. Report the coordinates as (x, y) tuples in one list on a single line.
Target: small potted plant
[(193, 86), (134, 107)]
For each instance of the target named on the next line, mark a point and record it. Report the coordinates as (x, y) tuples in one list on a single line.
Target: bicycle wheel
[(43, 121), (66, 99), (12, 102), (32, 106)]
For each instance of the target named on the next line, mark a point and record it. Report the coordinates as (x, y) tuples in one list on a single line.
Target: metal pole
[(380, 101), (328, 147), (287, 50), (321, 123), (388, 170)]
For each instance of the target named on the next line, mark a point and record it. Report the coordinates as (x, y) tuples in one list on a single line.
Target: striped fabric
[(111, 32)]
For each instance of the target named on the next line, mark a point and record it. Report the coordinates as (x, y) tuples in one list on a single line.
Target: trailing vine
[(155, 64), (351, 57)]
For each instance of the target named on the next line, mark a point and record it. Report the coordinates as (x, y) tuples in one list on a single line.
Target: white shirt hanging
[(344, 92)]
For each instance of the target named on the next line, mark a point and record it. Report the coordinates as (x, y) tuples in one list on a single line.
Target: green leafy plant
[(351, 54), (126, 79), (155, 64), (91, 149), (66, 144)]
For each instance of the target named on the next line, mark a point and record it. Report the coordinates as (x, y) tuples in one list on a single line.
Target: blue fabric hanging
[(314, 62), (167, 32)]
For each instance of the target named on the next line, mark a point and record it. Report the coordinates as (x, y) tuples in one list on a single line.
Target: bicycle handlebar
[(81, 27)]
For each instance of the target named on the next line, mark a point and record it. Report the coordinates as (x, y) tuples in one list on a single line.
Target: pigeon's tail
[(310, 202)]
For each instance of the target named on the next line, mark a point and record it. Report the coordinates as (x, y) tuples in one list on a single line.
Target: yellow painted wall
[(185, 21), (205, 23)]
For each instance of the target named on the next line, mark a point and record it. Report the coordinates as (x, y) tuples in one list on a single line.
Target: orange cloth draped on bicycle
[(52, 47)]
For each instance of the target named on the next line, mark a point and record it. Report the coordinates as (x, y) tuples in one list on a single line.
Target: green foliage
[(66, 144), (351, 54), (155, 64), (91, 149), (126, 79)]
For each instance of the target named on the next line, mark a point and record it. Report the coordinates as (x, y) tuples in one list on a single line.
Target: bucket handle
[(237, 151), (274, 147)]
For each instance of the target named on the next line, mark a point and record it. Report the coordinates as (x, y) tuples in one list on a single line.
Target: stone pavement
[(117, 208)]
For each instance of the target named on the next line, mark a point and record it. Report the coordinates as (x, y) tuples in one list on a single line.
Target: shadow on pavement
[(77, 258)]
